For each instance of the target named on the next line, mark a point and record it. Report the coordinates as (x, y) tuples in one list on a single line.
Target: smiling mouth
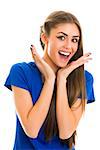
[(64, 54)]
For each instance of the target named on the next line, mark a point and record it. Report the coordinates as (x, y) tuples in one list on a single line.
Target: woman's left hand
[(64, 72)]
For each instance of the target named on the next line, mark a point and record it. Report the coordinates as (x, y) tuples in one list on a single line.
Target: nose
[(68, 44)]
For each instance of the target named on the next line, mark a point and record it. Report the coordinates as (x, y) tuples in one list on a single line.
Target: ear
[(44, 38)]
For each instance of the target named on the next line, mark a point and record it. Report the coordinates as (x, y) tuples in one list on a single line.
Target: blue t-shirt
[(27, 76)]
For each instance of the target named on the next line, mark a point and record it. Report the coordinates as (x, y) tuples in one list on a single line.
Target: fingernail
[(90, 53)]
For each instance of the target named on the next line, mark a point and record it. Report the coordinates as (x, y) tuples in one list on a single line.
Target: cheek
[(51, 47), (75, 48)]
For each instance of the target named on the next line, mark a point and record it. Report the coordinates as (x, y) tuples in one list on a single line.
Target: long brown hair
[(75, 81)]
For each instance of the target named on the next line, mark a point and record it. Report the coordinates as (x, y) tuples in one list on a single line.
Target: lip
[(65, 58), (64, 53)]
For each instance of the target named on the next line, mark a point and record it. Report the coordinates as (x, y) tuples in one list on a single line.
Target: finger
[(81, 61), (87, 54), (87, 60), (35, 55), (33, 50), (84, 57)]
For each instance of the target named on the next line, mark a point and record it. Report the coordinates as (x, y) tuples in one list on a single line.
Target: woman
[(50, 93)]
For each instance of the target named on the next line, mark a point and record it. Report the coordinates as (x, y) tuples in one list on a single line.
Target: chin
[(62, 65)]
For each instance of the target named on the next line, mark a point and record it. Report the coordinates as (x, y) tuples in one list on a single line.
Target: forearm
[(39, 111), (65, 118)]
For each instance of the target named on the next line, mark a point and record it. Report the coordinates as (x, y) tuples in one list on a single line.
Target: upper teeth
[(64, 53)]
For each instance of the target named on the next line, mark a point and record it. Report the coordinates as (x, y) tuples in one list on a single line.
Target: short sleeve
[(89, 87), (16, 77)]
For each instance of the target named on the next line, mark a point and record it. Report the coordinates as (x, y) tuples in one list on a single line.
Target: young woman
[(50, 93)]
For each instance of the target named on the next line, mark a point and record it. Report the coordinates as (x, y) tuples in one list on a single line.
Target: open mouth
[(63, 53)]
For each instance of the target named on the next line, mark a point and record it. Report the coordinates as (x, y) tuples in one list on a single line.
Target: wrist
[(50, 80), (61, 79)]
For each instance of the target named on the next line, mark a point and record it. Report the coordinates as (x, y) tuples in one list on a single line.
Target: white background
[(20, 22)]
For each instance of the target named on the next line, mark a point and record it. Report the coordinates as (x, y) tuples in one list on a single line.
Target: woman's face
[(63, 43)]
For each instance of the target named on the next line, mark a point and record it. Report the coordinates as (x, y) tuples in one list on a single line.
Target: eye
[(61, 38), (75, 40)]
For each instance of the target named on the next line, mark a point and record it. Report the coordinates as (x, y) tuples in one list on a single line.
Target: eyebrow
[(67, 34)]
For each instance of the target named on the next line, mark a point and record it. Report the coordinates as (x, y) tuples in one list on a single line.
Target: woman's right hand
[(44, 68)]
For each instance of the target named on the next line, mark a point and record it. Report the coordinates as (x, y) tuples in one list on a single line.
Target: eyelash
[(75, 40), (62, 38)]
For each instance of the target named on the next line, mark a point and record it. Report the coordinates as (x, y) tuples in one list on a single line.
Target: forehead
[(68, 28)]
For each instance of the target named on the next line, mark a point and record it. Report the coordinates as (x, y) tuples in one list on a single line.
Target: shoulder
[(88, 76), (26, 71), (25, 67), (23, 75), (89, 87), (22, 65)]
